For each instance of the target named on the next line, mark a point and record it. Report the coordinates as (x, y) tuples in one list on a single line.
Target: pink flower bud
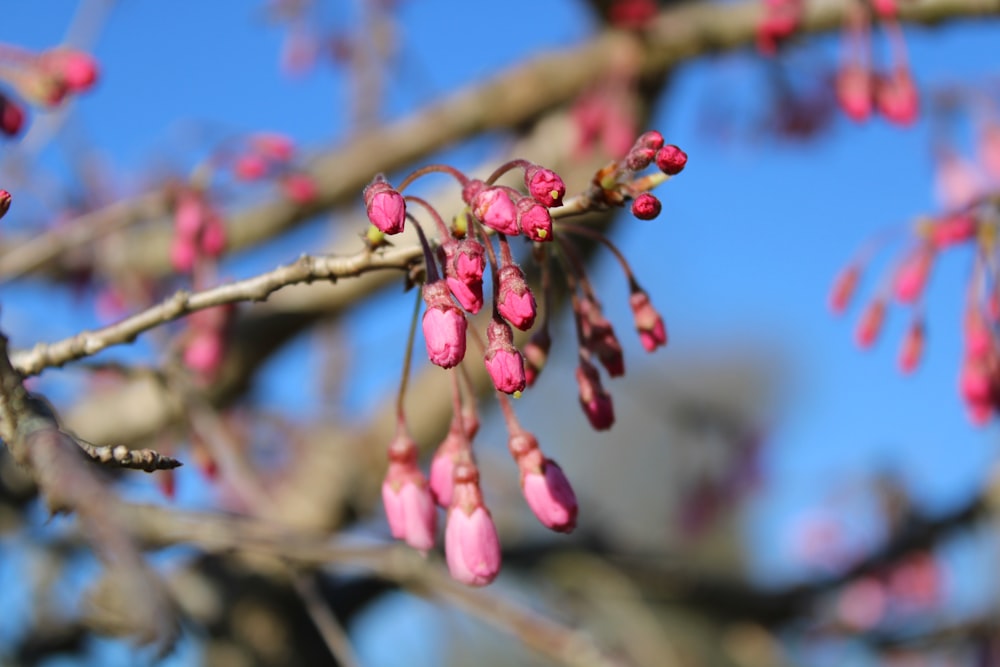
[(407, 498), (594, 400), (5, 199), (386, 208), (183, 253), (913, 348), (871, 324), (515, 302), (855, 91), (954, 230), (646, 206), (204, 352), (189, 214), (11, 116), (250, 167), (843, 288), (974, 382), (536, 353), (277, 147), (534, 220), (671, 160), (639, 158), (452, 450), (599, 337), (493, 207), (551, 497), (77, 69), (886, 9), (503, 361), (464, 265), (444, 326), (652, 140), (545, 186), (300, 188), (649, 324), (896, 97), (213, 237), (978, 337), (471, 545), (911, 278)]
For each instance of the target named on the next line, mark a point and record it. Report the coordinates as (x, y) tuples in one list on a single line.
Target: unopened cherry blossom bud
[(545, 186), (911, 278), (871, 324), (444, 326), (494, 208), (534, 220), (451, 451), (515, 301), (649, 324), (300, 188), (78, 70), (503, 361), (464, 265), (183, 253), (385, 206), (5, 200), (913, 348), (11, 116), (407, 497), (855, 91), (471, 544), (671, 160), (536, 353), (953, 230), (204, 352), (277, 147), (213, 237), (844, 287), (650, 139), (551, 497), (639, 158), (896, 97), (646, 206), (974, 381), (978, 336), (594, 400), (599, 337), (250, 167)]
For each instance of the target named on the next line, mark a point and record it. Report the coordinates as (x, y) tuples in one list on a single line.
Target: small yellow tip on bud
[(461, 224), (374, 236), (542, 233), (516, 394)]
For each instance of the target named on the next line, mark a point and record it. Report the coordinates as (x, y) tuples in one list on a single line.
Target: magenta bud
[(472, 547), (300, 188), (204, 352), (599, 337), (646, 206), (272, 146), (897, 98), (493, 207), (444, 326), (76, 69), (464, 265), (11, 116), (183, 253), (639, 158), (503, 361), (652, 140), (854, 86), (545, 186), (551, 497), (671, 160), (386, 208), (213, 237), (250, 167), (649, 324), (5, 200), (534, 220), (515, 301), (409, 507), (594, 400)]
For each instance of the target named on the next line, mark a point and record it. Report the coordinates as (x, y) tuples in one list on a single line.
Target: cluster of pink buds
[(779, 21), (456, 258), (980, 371), (860, 90), (199, 232), (42, 79), (271, 156)]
